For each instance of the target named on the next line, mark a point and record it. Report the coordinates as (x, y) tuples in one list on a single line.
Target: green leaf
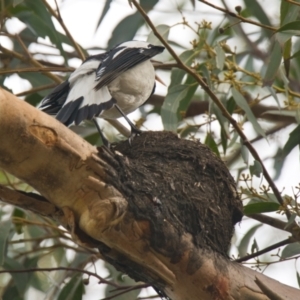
[(291, 221), (298, 278), (132, 23), (220, 58), (4, 233), (243, 246), (292, 26), (230, 105), (293, 141), (122, 280), (291, 250), (12, 293), (73, 290), (279, 160), (245, 154), (35, 15), (242, 103), (254, 246), (261, 207), (256, 169), (20, 279), (177, 74), (128, 27), (170, 106), (18, 213), (104, 11), (185, 103), (288, 12), (163, 30), (274, 64), (210, 142), (256, 10)]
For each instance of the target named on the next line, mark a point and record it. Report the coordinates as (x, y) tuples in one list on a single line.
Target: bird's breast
[(131, 89)]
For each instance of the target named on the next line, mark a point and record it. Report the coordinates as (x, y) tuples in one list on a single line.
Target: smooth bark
[(66, 170)]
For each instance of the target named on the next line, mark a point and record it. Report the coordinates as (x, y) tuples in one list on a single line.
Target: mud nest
[(183, 182)]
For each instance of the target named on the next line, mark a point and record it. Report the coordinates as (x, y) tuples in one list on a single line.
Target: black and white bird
[(107, 85)]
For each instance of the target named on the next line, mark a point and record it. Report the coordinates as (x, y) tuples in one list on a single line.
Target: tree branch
[(88, 188)]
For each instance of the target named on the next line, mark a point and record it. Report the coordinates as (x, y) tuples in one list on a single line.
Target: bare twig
[(58, 17), (128, 289), (23, 58), (216, 100), (232, 14), (37, 89), (269, 221), (267, 249), (37, 69), (292, 2), (101, 279)]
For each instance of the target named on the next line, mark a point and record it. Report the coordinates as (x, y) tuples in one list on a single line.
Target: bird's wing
[(76, 99), (118, 61), (52, 103), (83, 101)]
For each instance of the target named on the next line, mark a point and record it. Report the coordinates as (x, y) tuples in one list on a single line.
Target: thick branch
[(68, 172)]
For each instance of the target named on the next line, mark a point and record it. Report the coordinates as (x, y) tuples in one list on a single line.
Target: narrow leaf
[(220, 58), (293, 141), (170, 106), (298, 278), (254, 247), (291, 220), (291, 250), (73, 290), (20, 279), (242, 103), (273, 66), (104, 11), (243, 246), (163, 30), (261, 207), (256, 169), (291, 26), (4, 232), (257, 11), (210, 142)]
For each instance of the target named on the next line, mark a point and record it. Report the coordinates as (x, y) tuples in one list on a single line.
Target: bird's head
[(144, 47)]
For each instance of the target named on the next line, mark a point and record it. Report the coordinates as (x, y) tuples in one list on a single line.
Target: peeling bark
[(169, 231)]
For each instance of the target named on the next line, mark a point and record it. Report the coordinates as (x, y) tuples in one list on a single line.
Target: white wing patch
[(83, 71), (84, 86)]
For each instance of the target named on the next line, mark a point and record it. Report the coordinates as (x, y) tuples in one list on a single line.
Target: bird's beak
[(159, 80)]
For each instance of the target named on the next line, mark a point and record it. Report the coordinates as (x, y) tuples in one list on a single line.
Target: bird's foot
[(134, 132)]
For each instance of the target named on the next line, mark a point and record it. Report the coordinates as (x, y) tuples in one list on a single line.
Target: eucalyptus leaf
[(291, 250), (20, 279), (242, 103), (170, 106), (244, 244), (256, 169), (293, 141), (210, 142), (5, 227), (257, 11), (288, 12), (262, 207), (220, 58), (163, 30), (73, 290), (274, 64), (104, 12)]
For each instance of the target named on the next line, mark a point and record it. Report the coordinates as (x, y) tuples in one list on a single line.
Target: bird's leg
[(105, 142), (134, 130)]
